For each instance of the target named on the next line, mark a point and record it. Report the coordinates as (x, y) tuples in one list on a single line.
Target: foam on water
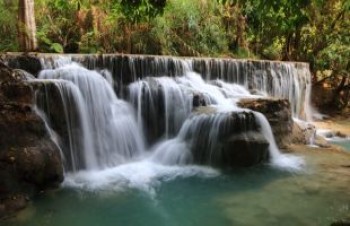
[(144, 175)]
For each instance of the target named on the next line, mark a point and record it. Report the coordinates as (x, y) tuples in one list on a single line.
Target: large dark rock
[(245, 149), (29, 160), (230, 139), (277, 112)]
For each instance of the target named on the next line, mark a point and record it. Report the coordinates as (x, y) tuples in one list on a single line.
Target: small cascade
[(78, 147), (205, 139), (279, 160), (218, 139), (162, 103), (107, 129)]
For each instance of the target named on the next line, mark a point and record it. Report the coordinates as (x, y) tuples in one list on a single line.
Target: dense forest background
[(314, 31)]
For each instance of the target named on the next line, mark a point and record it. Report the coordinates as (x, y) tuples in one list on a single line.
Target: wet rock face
[(245, 149), (28, 63), (277, 112), (226, 140), (198, 100), (29, 160)]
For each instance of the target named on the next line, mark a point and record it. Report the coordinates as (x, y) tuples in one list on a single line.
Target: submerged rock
[(277, 112), (29, 160)]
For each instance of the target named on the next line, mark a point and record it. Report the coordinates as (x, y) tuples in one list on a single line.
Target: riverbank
[(340, 123), (332, 168)]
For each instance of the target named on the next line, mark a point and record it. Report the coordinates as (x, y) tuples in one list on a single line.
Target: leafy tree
[(327, 48)]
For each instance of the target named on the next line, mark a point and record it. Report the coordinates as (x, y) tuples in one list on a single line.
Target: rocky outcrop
[(29, 63), (277, 112), (29, 160), (303, 133), (230, 139)]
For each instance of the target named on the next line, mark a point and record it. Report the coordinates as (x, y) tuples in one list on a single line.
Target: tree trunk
[(296, 47), (336, 100), (241, 29), (286, 54), (26, 26)]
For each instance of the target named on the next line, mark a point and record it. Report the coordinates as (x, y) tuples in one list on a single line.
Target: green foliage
[(276, 22), (140, 10), (315, 31), (56, 27), (8, 29), (56, 47), (196, 28)]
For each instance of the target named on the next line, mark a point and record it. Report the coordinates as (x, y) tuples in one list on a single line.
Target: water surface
[(195, 196)]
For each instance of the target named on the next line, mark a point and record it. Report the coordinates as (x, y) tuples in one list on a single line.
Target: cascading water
[(163, 102), (290, 80), (277, 159), (106, 135), (222, 97), (78, 152)]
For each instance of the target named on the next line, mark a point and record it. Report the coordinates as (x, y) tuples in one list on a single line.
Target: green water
[(255, 196), (343, 143)]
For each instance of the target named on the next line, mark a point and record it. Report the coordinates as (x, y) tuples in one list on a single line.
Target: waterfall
[(130, 120), (290, 80), (202, 132), (163, 102), (78, 151), (106, 129)]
